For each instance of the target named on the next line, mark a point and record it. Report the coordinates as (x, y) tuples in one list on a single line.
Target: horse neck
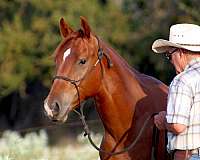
[(118, 94)]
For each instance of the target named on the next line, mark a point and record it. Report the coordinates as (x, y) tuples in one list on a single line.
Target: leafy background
[(29, 33)]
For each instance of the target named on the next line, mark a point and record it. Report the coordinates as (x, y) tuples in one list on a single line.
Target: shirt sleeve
[(179, 102)]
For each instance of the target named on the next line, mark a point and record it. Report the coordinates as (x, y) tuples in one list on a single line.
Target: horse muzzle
[(54, 111)]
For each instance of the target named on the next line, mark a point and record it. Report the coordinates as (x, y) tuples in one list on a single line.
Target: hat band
[(188, 44)]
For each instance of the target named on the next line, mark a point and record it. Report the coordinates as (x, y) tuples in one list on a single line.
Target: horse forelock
[(72, 38)]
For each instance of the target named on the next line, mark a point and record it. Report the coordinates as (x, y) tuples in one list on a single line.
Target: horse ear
[(85, 26), (65, 29)]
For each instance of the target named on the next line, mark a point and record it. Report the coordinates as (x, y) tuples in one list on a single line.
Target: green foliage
[(29, 33), (150, 20)]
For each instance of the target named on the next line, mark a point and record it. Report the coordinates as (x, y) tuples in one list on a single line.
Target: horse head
[(78, 70)]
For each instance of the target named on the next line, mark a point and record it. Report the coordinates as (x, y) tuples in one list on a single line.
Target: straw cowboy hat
[(186, 36)]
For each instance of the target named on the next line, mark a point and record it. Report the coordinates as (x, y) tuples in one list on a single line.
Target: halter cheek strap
[(100, 57), (101, 54)]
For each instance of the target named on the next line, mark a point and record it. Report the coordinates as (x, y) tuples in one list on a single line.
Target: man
[(182, 119)]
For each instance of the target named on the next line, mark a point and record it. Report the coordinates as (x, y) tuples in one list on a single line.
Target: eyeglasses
[(168, 54)]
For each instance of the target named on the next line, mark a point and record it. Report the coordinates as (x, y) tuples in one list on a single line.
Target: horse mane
[(142, 78)]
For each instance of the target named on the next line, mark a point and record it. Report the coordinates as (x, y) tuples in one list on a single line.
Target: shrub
[(34, 146)]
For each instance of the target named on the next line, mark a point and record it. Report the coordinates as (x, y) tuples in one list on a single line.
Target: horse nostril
[(55, 109)]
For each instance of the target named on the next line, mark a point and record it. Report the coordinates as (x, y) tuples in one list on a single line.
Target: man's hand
[(160, 120), (161, 123)]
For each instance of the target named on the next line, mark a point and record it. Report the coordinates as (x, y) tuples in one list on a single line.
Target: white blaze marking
[(49, 112), (66, 54)]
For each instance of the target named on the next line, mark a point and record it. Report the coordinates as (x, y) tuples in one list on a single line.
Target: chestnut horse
[(88, 67)]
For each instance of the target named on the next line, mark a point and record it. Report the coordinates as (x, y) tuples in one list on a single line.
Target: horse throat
[(119, 93)]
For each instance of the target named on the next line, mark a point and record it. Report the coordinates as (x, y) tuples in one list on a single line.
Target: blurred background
[(29, 34)]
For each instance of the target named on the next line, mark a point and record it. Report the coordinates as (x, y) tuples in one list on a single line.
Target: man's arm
[(161, 123)]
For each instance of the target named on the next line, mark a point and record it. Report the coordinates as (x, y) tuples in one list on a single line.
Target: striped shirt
[(184, 107)]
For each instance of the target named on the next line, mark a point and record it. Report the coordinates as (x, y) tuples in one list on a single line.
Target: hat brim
[(161, 46)]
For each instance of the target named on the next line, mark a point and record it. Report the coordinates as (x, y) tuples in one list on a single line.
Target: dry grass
[(35, 147)]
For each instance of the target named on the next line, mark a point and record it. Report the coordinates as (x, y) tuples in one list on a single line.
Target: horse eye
[(82, 61)]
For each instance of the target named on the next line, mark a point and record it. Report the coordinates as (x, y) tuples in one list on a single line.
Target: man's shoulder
[(193, 68), (189, 76), (178, 80)]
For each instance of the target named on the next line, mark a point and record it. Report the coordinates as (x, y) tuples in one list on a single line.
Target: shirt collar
[(192, 62)]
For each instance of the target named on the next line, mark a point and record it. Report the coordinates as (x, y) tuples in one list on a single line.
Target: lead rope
[(112, 153), (155, 143), (86, 128)]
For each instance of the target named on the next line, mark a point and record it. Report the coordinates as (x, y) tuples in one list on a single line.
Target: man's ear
[(65, 29), (85, 26), (182, 52), (183, 56)]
